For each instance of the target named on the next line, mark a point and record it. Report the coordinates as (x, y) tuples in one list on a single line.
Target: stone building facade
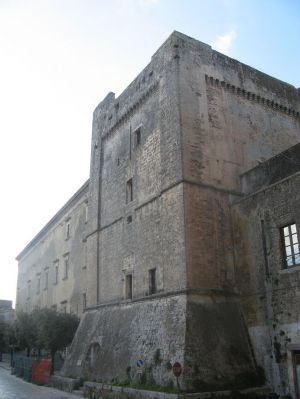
[(53, 266), (165, 268), (6, 311), (266, 232)]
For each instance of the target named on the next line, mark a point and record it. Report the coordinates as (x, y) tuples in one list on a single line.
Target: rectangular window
[(290, 245), (28, 288), (46, 279), (56, 272), (137, 136), (67, 231), (128, 286), (66, 266), (129, 191), (86, 212), (83, 301), (38, 285), (152, 281)]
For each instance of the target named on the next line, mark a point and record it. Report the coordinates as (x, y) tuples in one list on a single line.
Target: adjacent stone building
[(178, 237), (266, 227), (53, 266), (6, 311)]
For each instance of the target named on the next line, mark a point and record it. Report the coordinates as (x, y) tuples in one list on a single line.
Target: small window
[(38, 285), (66, 268), (290, 245), (152, 281), (129, 191), (86, 212), (28, 288), (129, 219), (67, 231), (128, 286), (137, 137), (46, 280), (56, 272), (83, 301)]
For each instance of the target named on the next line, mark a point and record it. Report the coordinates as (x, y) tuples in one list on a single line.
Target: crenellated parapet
[(253, 97)]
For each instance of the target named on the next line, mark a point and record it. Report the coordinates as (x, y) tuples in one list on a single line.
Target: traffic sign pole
[(177, 369)]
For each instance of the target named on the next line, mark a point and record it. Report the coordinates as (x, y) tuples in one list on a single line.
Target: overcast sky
[(58, 60)]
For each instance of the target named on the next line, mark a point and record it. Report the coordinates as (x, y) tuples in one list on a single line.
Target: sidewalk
[(5, 364)]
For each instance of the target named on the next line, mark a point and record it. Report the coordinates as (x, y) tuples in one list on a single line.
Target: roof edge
[(53, 220)]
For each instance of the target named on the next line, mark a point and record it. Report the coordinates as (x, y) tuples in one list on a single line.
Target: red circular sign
[(177, 369)]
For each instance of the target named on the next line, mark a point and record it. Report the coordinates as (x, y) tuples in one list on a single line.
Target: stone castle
[(183, 244)]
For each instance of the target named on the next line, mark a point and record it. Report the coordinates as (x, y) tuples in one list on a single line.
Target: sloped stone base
[(138, 342)]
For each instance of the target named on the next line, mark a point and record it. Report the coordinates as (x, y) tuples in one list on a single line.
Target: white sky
[(58, 60)]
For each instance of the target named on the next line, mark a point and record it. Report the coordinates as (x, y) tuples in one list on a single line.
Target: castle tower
[(166, 160)]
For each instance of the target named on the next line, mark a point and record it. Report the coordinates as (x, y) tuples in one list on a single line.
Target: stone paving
[(12, 387)]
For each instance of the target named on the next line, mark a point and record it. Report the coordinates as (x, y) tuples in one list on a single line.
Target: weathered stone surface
[(269, 290), (162, 199), (150, 330), (38, 286), (64, 383)]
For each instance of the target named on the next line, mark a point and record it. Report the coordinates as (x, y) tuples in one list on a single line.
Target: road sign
[(139, 364), (177, 369)]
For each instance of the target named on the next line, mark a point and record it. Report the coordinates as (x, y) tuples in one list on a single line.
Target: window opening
[(84, 301), (290, 245), (296, 367), (128, 287), (152, 281), (67, 232), (86, 212), (66, 271), (129, 191), (28, 288), (137, 136), (56, 272), (38, 285), (46, 280)]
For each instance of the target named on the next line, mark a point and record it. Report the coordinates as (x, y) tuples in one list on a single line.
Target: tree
[(55, 330), (3, 329), (25, 331), (45, 329)]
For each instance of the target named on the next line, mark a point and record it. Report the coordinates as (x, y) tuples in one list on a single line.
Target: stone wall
[(203, 119), (166, 161), (269, 291), (62, 240), (151, 330), (147, 231)]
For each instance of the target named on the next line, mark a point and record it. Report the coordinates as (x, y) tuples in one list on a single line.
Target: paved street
[(12, 387)]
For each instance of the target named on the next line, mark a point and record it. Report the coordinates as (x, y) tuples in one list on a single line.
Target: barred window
[(290, 245)]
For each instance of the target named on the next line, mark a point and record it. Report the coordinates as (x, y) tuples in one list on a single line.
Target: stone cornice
[(253, 97), (83, 189), (211, 292)]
